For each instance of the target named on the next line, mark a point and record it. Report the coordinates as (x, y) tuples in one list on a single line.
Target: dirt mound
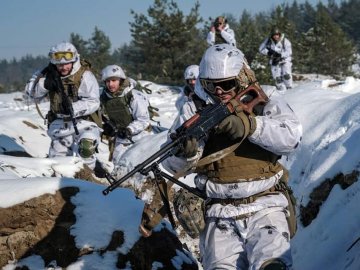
[(39, 226), (319, 195), (161, 247), (42, 225)]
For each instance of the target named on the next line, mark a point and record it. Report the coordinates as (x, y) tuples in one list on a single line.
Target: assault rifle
[(197, 127)]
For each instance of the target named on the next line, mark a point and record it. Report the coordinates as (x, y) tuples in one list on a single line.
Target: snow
[(329, 111)]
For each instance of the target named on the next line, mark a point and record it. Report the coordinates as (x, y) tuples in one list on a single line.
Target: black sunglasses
[(226, 85)]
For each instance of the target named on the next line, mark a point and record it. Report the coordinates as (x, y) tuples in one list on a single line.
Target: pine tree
[(248, 36), (348, 17), (80, 44), (308, 17), (99, 51), (166, 40), (130, 58), (331, 52)]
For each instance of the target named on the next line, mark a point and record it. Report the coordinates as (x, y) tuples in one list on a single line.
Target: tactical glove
[(276, 55), (236, 127), (275, 61), (52, 79), (188, 148), (270, 52), (124, 133), (109, 129)]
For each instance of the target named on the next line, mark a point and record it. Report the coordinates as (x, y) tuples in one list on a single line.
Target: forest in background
[(325, 40)]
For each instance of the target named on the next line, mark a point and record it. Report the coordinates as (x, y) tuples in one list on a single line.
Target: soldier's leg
[(120, 167), (62, 139), (61, 146), (221, 245), (276, 74), (286, 71), (268, 241)]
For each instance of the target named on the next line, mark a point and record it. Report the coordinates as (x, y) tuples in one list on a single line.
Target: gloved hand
[(276, 55), (30, 84), (276, 60), (124, 133), (188, 148), (270, 52), (273, 53), (236, 127), (52, 79), (109, 129)]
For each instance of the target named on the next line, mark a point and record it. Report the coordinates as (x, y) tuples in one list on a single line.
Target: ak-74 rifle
[(196, 127)]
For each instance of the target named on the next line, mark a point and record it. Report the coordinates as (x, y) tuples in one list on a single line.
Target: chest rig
[(248, 161), (117, 107), (71, 87)]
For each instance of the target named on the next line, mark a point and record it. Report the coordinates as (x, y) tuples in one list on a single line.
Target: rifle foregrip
[(191, 121)]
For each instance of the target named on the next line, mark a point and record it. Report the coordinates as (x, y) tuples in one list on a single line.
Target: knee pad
[(287, 76), (278, 80), (87, 147), (273, 264)]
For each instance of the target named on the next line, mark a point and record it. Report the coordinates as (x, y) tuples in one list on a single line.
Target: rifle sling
[(38, 110)]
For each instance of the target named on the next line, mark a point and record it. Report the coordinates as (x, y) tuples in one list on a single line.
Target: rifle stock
[(197, 127)]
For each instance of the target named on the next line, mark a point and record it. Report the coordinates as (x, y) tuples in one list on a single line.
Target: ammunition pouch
[(50, 117), (282, 187), (189, 210)]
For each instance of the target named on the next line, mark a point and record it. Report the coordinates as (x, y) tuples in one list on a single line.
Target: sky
[(329, 111), (32, 27)]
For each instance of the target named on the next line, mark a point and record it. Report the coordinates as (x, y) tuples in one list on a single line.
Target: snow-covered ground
[(330, 114)]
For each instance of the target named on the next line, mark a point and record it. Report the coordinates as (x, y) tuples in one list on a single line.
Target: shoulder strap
[(85, 65), (128, 97)]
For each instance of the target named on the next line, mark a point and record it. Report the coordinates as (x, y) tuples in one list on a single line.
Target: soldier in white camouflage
[(127, 112), (76, 134), (238, 169)]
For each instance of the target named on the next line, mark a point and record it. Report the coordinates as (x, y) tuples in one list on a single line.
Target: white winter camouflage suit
[(282, 72), (262, 233), (186, 108), (140, 113), (227, 34), (64, 141)]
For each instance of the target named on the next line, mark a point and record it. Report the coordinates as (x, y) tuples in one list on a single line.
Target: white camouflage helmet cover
[(64, 47), (112, 71), (191, 72), (221, 61)]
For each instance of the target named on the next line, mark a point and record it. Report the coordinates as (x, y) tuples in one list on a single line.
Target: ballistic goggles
[(68, 56), (226, 85)]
